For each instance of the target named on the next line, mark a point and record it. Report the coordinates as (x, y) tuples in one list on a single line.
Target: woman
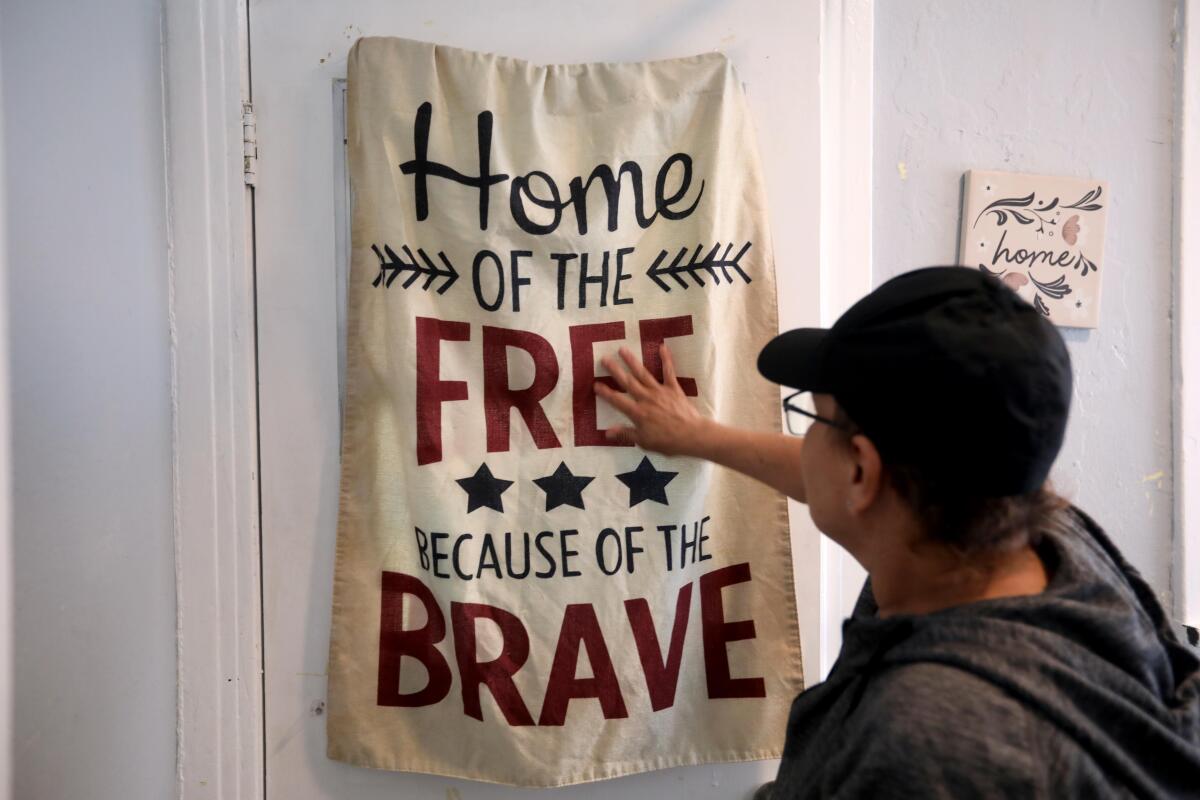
[(1002, 646)]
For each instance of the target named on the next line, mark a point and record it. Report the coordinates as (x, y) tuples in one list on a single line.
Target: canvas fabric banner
[(518, 599)]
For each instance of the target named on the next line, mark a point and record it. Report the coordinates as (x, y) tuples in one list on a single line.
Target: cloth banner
[(516, 598)]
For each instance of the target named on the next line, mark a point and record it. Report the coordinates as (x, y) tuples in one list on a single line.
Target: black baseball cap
[(944, 369)]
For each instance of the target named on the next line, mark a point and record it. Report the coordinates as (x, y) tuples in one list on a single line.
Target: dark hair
[(971, 525), (975, 524)]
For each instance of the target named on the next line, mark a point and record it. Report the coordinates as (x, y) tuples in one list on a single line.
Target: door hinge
[(249, 144)]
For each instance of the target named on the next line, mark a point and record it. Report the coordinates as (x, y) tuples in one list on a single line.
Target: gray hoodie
[(1080, 691)]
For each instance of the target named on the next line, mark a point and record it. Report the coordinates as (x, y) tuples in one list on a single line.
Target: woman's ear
[(867, 482)]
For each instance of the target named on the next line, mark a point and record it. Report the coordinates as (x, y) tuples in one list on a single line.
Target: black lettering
[(551, 566), (478, 283), (611, 184), (585, 279), (663, 204), (520, 188), (687, 543), (488, 559), (454, 560), (422, 544), (606, 534), (561, 260), (621, 276), (567, 555), (421, 167), (517, 281), (508, 556), (630, 547), (438, 555), (666, 531)]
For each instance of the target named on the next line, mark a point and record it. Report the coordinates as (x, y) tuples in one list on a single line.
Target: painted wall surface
[(90, 374), (1075, 87), (6, 595)]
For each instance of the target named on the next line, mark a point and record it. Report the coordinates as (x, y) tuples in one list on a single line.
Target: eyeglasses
[(801, 412)]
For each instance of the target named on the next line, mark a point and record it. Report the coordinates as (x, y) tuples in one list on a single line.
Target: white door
[(297, 59)]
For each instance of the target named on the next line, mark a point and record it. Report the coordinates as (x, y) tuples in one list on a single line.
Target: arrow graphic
[(391, 265), (694, 265)]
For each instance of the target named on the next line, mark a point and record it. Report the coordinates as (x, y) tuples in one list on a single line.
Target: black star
[(483, 489), (563, 488), (647, 483)]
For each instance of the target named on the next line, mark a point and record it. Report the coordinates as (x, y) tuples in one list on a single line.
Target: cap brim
[(791, 359)]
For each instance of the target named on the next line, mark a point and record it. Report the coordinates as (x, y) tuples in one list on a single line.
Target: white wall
[(1071, 87), (90, 373), (6, 575)]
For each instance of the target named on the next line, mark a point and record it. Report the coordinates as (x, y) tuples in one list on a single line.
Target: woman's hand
[(663, 418)]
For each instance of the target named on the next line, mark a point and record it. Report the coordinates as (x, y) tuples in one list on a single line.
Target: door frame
[(206, 80), (847, 153), (219, 700), (1185, 578)]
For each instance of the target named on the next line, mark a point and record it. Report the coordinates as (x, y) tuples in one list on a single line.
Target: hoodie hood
[(1094, 654)]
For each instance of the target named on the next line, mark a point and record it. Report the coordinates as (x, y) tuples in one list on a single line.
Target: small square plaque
[(1041, 235)]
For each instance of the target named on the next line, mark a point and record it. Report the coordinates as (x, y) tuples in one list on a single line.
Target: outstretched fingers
[(668, 363), (624, 378), (638, 370), (620, 401)]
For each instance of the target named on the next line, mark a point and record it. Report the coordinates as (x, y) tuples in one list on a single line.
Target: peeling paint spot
[(902, 168), (1153, 476), (318, 708), (452, 794)]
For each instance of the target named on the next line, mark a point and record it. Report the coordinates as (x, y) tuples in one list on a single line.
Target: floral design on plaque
[(1042, 236)]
